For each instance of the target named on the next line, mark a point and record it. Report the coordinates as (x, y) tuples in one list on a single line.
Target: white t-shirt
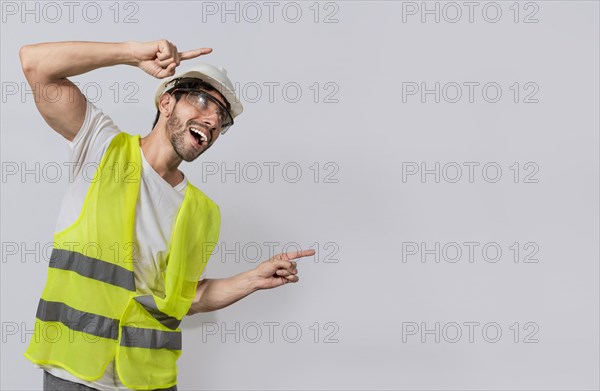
[(156, 210)]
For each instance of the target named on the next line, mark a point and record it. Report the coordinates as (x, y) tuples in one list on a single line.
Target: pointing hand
[(279, 270), (160, 58)]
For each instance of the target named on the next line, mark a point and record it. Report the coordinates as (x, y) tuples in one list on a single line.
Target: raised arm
[(48, 65)]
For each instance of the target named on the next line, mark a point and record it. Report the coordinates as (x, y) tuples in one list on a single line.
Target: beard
[(178, 135)]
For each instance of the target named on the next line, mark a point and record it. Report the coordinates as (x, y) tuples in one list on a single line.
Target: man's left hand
[(279, 270)]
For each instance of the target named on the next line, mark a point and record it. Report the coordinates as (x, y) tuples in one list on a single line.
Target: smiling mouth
[(199, 136)]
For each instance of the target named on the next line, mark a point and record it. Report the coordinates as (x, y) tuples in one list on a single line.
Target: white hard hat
[(216, 77)]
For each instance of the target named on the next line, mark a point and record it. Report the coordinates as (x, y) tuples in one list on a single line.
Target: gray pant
[(53, 383)]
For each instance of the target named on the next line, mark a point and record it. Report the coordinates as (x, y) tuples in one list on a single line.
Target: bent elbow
[(25, 57)]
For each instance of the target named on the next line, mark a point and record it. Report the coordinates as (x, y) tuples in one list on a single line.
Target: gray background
[(363, 293)]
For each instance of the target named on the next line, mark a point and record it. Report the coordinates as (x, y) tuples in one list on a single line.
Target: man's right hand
[(160, 58), (47, 67)]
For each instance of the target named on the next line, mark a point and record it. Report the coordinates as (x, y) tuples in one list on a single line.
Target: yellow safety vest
[(89, 312)]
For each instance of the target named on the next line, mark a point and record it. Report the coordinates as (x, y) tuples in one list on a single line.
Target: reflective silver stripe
[(96, 269), (150, 305), (98, 325), (136, 337)]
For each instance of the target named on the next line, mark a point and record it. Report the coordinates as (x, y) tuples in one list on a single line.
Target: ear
[(166, 104)]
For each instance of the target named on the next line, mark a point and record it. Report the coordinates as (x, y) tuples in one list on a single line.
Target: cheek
[(174, 122)]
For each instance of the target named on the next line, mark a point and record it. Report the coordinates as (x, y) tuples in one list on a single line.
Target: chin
[(191, 156)]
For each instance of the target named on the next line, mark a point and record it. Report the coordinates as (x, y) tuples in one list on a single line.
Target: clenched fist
[(160, 58)]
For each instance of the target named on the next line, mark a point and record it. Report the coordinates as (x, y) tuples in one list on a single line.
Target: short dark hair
[(193, 83)]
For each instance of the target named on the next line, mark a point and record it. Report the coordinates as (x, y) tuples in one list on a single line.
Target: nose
[(209, 121), (212, 121)]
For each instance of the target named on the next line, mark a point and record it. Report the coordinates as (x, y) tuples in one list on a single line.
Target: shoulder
[(96, 123), (124, 139), (199, 197)]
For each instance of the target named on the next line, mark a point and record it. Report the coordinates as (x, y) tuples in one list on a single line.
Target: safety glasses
[(208, 105)]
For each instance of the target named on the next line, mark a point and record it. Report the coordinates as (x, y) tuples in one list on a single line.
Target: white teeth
[(202, 135)]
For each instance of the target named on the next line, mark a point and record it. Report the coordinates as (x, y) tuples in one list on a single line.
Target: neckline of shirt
[(179, 187)]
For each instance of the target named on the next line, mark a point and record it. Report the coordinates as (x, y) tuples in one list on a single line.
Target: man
[(132, 242)]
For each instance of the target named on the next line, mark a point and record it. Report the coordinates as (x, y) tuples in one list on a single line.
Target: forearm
[(57, 60), (214, 294)]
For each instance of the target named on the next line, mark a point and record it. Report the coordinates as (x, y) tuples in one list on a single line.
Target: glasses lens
[(209, 106)]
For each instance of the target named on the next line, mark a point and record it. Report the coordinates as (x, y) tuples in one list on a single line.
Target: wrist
[(129, 53), (251, 280)]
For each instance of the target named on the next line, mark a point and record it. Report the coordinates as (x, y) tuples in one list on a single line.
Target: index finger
[(194, 53), (297, 254)]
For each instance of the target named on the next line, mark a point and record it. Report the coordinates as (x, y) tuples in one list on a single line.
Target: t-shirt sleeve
[(95, 133)]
